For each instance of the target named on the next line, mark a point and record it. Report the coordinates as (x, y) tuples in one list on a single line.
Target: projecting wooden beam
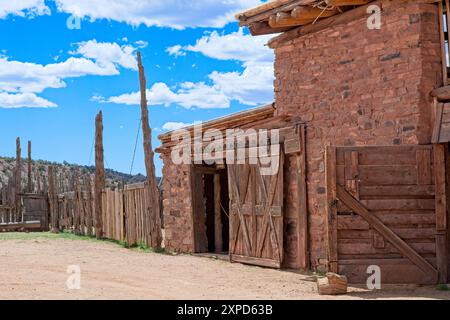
[(264, 15), (261, 8), (341, 3), (283, 20), (302, 12), (263, 28), (338, 19)]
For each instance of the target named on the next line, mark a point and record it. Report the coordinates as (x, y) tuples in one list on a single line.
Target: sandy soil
[(37, 269)]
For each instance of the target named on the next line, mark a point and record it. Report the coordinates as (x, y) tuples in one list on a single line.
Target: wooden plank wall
[(399, 186)]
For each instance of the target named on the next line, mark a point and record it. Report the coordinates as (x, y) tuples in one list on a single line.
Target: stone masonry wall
[(177, 203), (356, 87)]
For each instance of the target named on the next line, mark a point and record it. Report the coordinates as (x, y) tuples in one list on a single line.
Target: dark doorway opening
[(211, 207)]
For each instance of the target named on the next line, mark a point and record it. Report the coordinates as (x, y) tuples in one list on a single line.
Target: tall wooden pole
[(154, 204), (30, 182), (52, 200), (218, 226), (18, 181), (99, 174)]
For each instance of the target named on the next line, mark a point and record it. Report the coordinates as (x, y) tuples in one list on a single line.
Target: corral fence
[(20, 211), (125, 213), (7, 209)]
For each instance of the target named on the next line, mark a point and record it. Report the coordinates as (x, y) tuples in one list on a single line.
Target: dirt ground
[(37, 269)]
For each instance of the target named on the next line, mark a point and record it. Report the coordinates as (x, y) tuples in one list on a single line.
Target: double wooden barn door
[(256, 214), (387, 208)]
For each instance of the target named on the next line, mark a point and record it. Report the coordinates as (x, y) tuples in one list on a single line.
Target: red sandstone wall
[(356, 86), (177, 206)]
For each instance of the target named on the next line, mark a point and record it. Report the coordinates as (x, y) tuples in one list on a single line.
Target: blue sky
[(53, 79)]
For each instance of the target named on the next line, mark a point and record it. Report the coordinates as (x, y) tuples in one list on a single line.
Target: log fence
[(124, 213)]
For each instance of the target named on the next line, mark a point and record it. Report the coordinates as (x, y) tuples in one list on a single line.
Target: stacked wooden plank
[(387, 209), (282, 15)]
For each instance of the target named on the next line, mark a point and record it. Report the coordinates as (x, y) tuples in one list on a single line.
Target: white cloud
[(141, 44), (108, 55), (253, 85), (233, 46), (23, 8), (187, 95), (177, 14), (96, 59), (171, 126), (23, 100), (176, 51)]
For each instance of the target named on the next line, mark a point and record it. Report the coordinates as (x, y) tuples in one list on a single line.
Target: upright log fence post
[(153, 210), (99, 175), (30, 182), (52, 200), (18, 183)]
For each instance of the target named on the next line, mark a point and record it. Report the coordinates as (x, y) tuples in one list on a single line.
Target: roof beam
[(341, 3), (263, 28), (343, 18), (265, 15), (303, 12), (283, 19)]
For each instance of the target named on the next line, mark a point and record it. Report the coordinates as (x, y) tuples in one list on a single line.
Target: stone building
[(363, 119)]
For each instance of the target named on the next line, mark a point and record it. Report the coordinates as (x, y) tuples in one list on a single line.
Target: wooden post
[(217, 215), (99, 174), (52, 200), (18, 182), (302, 198), (330, 173), (153, 210), (447, 190), (30, 182), (441, 213), (88, 217), (443, 46)]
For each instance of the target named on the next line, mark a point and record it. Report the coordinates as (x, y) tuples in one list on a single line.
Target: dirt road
[(37, 269)]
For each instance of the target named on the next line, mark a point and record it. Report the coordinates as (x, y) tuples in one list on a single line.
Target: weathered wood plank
[(99, 175), (387, 233), (441, 212), (332, 221)]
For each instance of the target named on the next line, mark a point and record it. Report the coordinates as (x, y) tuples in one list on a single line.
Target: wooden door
[(36, 209), (387, 208), (256, 215)]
